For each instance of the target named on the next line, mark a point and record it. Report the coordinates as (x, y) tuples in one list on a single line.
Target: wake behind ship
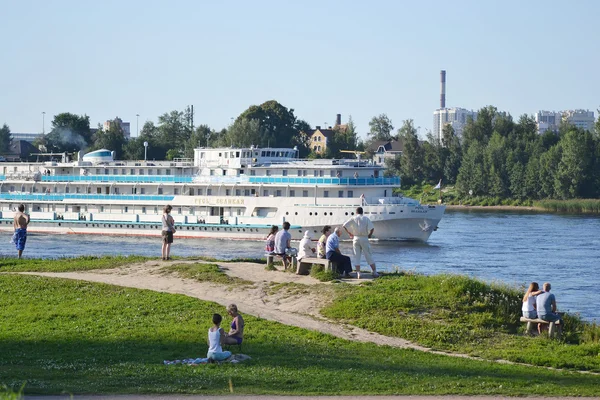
[(234, 193)]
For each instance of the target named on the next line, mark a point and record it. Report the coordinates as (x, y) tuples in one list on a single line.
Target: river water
[(511, 247)]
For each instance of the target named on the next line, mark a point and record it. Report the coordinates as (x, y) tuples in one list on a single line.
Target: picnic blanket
[(235, 358)]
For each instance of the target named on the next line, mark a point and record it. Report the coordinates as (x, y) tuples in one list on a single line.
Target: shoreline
[(499, 208)]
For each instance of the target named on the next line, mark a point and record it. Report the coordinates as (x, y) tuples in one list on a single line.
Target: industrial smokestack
[(338, 119), (443, 92)]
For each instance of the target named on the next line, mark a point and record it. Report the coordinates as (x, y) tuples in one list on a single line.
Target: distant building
[(547, 120), (28, 137), (456, 117), (319, 137), (583, 119), (125, 126), (384, 149), (551, 120), (21, 150)]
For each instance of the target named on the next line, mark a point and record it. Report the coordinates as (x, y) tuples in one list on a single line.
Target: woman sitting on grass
[(216, 338), (236, 333), (528, 308)]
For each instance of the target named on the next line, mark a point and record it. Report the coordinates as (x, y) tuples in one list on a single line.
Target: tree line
[(495, 156), (498, 157)]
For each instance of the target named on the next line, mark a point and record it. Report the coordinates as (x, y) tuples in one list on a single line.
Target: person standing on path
[(20, 223), (168, 229), (360, 228)]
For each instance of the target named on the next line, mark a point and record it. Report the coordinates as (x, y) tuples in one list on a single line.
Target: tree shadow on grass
[(300, 367)]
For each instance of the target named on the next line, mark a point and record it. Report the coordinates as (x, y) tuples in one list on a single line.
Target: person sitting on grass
[(236, 333), (529, 306), (216, 338)]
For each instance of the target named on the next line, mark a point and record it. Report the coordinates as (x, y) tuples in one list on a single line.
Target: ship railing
[(82, 196), (391, 181), (220, 179), (117, 178)]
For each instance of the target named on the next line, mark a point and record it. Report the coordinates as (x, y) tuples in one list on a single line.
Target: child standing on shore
[(216, 337)]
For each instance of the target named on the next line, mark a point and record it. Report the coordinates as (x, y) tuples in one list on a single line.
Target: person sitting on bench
[(283, 241), (546, 307), (333, 254), (529, 306)]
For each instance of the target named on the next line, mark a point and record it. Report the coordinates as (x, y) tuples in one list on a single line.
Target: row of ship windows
[(190, 191), (180, 228)]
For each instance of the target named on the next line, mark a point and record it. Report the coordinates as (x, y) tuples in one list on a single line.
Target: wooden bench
[(307, 262), (271, 259), (552, 330)]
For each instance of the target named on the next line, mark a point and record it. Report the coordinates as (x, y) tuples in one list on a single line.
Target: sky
[(361, 58)]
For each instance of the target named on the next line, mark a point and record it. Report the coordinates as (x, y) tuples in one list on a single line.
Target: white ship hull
[(224, 193)]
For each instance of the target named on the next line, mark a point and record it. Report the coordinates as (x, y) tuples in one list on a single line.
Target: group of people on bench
[(540, 304), (359, 228)]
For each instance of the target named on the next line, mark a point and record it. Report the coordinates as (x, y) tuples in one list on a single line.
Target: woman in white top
[(216, 338), (528, 308)]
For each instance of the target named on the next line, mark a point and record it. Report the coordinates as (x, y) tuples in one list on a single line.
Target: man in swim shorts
[(20, 222)]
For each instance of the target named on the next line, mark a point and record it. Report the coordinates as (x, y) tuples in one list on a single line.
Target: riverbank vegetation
[(464, 315), (64, 336)]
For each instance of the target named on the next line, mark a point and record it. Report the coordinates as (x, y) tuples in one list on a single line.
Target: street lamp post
[(145, 151), (137, 121), (43, 122)]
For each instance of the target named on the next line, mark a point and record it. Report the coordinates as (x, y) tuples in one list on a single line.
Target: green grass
[(64, 336), (204, 273), (464, 315), (319, 272), (83, 263)]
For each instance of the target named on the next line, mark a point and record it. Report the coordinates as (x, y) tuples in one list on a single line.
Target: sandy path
[(298, 306)]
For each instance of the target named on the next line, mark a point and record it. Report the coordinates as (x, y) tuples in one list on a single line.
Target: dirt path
[(298, 306), (295, 305)]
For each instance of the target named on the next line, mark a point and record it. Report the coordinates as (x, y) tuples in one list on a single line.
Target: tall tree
[(380, 128), (472, 175), (69, 133), (243, 132), (134, 148), (453, 153), (411, 162), (495, 165), (574, 176), (279, 125), (5, 139)]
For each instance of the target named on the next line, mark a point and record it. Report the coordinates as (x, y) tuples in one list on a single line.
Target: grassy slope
[(78, 337), (464, 315)]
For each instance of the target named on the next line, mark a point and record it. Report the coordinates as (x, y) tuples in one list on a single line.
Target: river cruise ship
[(230, 193)]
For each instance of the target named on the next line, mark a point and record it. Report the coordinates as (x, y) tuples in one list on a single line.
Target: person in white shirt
[(306, 248), (334, 254), (360, 228)]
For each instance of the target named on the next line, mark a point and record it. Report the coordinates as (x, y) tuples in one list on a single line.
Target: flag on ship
[(439, 185)]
